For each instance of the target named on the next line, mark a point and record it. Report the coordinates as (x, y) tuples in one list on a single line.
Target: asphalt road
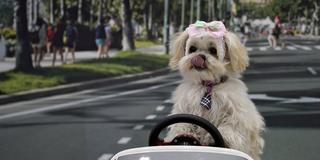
[(95, 124)]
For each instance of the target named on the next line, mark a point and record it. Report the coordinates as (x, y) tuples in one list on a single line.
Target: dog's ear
[(178, 45), (236, 53)]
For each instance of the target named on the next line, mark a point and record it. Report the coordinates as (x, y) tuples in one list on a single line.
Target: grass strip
[(127, 62)]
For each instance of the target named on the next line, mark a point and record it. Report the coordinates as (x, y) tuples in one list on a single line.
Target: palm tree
[(23, 46), (127, 40), (79, 19)]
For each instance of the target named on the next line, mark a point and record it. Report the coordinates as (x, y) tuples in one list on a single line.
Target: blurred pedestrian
[(108, 38), (34, 39), (50, 35), (101, 38), (42, 34), (70, 36), (277, 32), (272, 39), (57, 42)]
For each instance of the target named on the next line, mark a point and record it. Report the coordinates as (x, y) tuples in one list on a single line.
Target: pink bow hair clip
[(215, 29)]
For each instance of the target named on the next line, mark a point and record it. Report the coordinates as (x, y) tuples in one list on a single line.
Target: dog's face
[(204, 57)]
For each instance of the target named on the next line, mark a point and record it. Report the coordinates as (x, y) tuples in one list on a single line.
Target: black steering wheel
[(154, 139)]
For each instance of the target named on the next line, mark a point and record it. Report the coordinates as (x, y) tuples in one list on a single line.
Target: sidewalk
[(9, 63)]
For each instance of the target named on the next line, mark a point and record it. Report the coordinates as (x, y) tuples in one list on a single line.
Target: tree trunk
[(100, 11), (198, 10), (23, 46), (148, 18), (92, 3), (209, 10), (127, 30), (182, 15), (51, 12), (35, 10), (62, 9), (191, 12), (79, 19), (29, 13), (151, 25)]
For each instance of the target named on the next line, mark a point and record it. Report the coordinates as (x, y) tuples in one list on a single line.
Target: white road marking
[(304, 47), (303, 100), (150, 117), (278, 48), (124, 140), (249, 49), (263, 48), (265, 97), (312, 71), (284, 100), (291, 48), (167, 101), (160, 108), (79, 102), (317, 46), (105, 156), (138, 127)]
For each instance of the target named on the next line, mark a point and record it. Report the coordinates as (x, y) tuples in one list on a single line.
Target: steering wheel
[(154, 139)]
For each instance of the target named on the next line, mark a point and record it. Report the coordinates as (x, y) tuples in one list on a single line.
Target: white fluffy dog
[(211, 59)]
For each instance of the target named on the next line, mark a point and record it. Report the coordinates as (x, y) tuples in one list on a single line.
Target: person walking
[(42, 34), (34, 39), (50, 35), (57, 42), (108, 38), (101, 38), (276, 33), (272, 39), (71, 34)]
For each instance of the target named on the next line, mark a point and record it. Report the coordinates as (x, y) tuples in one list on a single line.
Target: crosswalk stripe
[(160, 108), (262, 48), (278, 48), (304, 47), (249, 49), (138, 127), (124, 140), (291, 48), (317, 46), (105, 156), (150, 117)]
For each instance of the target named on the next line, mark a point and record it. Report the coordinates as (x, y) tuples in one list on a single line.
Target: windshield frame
[(200, 149)]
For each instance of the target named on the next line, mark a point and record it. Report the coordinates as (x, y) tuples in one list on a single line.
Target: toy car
[(182, 147)]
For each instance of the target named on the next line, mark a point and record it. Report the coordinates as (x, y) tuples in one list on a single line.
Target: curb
[(74, 87)]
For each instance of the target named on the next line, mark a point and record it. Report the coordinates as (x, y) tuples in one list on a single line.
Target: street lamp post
[(198, 10), (191, 12), (166, 26), (182, 14)]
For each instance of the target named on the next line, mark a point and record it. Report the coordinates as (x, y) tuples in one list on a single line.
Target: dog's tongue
[(198, 61)]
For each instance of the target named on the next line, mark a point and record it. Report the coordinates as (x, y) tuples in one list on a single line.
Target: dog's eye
[(192, 49), (213, 51)]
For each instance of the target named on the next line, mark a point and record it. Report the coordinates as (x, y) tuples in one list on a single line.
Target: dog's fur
[(232, 112)]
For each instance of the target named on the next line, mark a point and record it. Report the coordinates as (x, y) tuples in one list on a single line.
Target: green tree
[(6, 9)]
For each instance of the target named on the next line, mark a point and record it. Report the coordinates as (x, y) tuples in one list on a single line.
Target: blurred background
[(84, 79)]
